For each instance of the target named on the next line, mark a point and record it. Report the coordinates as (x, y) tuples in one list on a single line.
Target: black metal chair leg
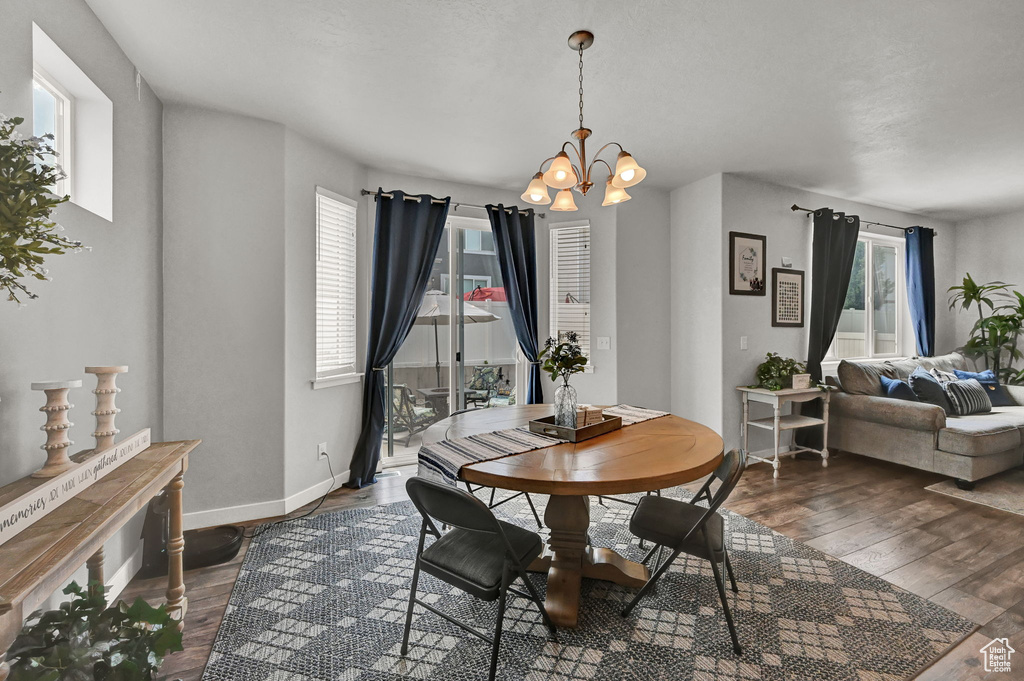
[(650, 583), (536, 517), (412, 602), (502, 597), (725, 601), (728, 569), (540, 604), (490, 504)]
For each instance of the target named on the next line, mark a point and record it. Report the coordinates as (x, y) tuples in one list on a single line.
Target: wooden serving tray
[(546, 426)]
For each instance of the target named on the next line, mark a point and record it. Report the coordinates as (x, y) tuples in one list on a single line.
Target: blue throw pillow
[(897, 389), (929, 390), (996, 393)]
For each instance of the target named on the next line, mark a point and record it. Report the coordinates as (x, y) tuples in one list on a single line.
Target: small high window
[(52, 111), (70, 106)]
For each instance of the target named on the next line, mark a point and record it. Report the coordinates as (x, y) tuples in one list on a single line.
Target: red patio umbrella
[(496, 293)]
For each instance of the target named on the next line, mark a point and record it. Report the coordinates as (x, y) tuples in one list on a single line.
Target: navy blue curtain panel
[(516, 243), (920, 256), (832, 251), (405, 241)]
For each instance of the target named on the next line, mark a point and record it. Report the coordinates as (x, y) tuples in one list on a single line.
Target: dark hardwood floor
[(877, 516)]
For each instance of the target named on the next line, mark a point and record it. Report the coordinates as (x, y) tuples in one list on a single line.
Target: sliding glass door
[(462, 353)]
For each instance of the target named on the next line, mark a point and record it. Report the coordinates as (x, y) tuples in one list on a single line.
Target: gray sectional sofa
[(920, 435)]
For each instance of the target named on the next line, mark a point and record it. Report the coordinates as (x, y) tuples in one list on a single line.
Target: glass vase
[(565, 406)]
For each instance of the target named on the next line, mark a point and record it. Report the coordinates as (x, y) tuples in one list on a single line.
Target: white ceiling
[(912, 105)]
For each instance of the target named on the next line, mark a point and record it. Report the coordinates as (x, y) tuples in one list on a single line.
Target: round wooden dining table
[(652, 455)]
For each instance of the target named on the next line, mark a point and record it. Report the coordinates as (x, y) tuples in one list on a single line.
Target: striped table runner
[(442, 461)]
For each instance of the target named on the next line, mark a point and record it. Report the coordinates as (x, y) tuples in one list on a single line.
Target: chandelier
[(565, 175)]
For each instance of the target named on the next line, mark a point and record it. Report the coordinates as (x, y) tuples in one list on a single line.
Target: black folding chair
[(482, 555), (491, 503), (685, 527)]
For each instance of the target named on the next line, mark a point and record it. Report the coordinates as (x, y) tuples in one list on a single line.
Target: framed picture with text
[(746, 264), (787, 297)]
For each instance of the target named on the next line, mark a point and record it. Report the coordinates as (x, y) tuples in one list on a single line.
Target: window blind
[(335, 284), (570, 283)]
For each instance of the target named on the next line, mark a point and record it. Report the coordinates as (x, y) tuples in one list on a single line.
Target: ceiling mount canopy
[(564, 175)]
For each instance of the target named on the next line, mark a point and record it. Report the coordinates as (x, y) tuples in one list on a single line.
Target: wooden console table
[(779, 422), (42, 558)]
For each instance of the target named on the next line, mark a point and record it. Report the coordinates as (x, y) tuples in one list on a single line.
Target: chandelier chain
[(581, 85)]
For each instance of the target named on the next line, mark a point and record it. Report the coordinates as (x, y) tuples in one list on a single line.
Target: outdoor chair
[(481, 556), (408, 415), (685, 527)]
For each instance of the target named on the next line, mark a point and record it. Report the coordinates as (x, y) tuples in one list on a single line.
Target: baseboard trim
[(264, 509), (119, 580)]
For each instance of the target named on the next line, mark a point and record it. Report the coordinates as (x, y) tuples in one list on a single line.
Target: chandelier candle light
[(565, 176)]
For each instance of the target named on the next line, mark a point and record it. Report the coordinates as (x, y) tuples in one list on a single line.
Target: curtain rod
[(795, 207), (370, 192)]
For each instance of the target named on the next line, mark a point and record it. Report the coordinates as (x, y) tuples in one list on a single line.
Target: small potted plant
[(776, 372), (84, 639), (562, 357)]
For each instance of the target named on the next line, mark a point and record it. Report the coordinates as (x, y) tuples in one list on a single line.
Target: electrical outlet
[(321, 451), (604, 343), (743, 342)]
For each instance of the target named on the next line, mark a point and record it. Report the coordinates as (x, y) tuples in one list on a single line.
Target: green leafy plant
[(27, 234), (994, 337), (776, 371), (562, 357), (85, 640)]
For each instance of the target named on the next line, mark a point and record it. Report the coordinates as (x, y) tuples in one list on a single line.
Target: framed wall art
[(787, 297), (746, 264)]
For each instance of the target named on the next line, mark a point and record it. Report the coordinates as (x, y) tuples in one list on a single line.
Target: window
[(470, 282), (71, 107), (570, 282), (478, 241), (875, 313), (335, 286), (51, 115)]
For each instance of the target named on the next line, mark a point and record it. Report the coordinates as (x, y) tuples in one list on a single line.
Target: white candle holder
[(56, 427), (106, 412)]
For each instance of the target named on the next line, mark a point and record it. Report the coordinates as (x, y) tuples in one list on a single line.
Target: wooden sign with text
[(21, 513)]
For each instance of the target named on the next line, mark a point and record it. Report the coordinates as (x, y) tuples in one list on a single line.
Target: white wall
[(643, 299), (224, 303), (696, 293), (990, 249), (706, 356), (330, 415), (103, 306)]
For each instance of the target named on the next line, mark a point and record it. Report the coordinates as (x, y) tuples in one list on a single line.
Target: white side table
[(780, 422)]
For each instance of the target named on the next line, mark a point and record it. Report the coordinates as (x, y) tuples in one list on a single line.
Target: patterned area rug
[(325, 598), (1004, 491)]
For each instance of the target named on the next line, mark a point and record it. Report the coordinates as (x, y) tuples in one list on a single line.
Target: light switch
[(604, 343), (743, 342)]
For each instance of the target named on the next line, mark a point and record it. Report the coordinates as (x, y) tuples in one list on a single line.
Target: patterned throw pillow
[(943, 376), (967, 397), (996, 393)]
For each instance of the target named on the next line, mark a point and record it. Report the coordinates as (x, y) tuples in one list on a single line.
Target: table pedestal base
[(569, 558)]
